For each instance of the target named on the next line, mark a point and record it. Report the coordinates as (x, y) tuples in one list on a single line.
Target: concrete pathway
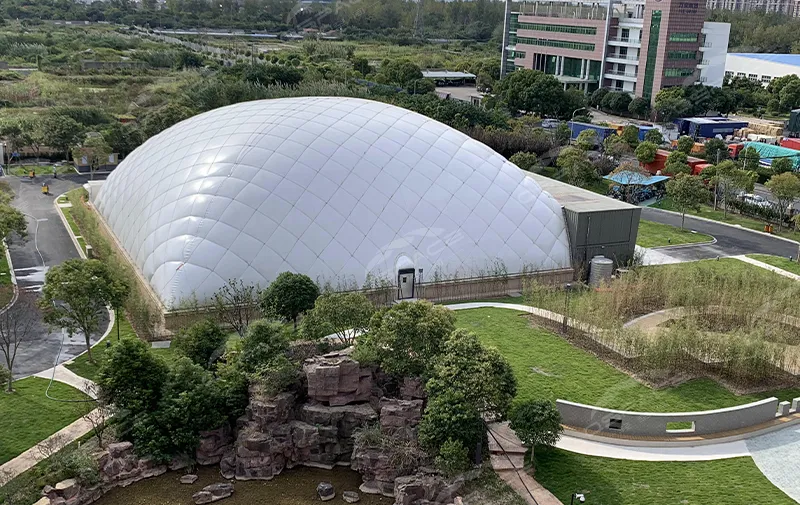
[(767, 266), (775, 454), (63, 374), (508, 460)]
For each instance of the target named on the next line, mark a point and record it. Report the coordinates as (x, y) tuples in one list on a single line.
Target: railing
[(623, 57), (623, 74), (625, 39)]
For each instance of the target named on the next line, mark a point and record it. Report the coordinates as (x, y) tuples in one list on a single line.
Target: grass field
[(708, 212), (41, 170), (658, 235), (547, 366), (604, 481), (28, 416), (778, 261)]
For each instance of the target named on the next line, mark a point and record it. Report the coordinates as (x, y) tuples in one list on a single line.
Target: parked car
[(550, 123), (758, 201)]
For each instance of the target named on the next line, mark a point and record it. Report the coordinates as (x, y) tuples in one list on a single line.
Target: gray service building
[(597, 225)]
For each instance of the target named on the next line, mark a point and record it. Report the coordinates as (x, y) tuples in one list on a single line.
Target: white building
[(761, 67), (788, 7), (714, 52), (341, 189)]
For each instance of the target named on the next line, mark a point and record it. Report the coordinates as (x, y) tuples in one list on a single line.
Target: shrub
[(453, 458), (482, 375), (450, 416), (202, 342), (132, 377), (263, 342), (536, 422), (289, 295), (345, 314), (276, 376), (407, 337)]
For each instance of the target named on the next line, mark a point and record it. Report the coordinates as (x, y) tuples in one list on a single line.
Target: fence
[(601, 421)]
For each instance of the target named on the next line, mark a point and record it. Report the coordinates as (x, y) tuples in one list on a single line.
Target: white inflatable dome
[(344, 190)]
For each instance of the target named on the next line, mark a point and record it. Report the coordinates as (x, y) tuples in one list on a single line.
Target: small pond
[(292, 487)]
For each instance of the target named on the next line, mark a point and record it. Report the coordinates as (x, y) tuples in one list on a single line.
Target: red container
[(791, 144)]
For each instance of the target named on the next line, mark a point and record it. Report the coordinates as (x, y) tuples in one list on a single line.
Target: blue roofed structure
[(627, 178)]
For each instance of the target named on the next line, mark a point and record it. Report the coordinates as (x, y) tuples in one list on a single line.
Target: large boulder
[(213, 445), (412, 389), (326, 491), (400, 417), (425, 488), (266, 412), (213, 492), (336, 379), (377, 470)]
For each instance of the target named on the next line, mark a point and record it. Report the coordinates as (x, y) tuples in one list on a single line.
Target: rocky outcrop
[(400, 417), (212, 493), (336, 379), (377, 470), (412, 389), (118, 466), (425, 489), (213, 445)]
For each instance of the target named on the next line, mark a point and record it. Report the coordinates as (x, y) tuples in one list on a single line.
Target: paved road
[(48, 244), (730, 240)]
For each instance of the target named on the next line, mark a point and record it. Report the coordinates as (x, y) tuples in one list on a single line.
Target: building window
[(682, 55), (753, 77), (652, 54), (678, 72), (683, 37), (515, 54), (580, 46), (764, 78), (542, 27), (728, 73), (741, 74)]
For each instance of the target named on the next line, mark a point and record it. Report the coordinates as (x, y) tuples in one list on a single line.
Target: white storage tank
[(600, 270)]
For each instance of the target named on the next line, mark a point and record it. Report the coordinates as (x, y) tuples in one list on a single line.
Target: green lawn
[(708, 212), (778, 261), (547, 366), (736, 481), (658, 235), (41, 170), (28, 416)]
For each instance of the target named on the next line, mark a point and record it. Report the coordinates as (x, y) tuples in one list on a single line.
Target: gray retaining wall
[(654, 424)]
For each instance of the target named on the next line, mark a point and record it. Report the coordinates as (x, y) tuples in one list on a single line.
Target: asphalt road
[(48, 244), (731, 241)]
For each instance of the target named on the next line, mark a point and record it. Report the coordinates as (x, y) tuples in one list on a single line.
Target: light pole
[(572, 121)]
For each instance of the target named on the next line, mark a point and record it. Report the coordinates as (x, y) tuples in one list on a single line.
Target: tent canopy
[(635, 178), (768, 151)]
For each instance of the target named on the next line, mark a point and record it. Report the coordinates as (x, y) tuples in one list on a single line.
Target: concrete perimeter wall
[(601, 421)]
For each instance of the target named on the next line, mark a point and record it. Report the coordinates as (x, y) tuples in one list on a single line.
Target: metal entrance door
[(405, 283)]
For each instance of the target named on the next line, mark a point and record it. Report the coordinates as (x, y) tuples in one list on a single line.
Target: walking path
[(508, 460), (767, 266)]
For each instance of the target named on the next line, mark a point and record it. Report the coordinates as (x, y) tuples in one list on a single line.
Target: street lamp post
[(572, 121)]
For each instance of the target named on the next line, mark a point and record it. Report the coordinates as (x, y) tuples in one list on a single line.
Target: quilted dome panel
[(337, 188)]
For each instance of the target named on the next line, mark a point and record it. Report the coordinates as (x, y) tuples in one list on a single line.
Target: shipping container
[(660, 162), (708, 127), (603, 132), (791, 144)]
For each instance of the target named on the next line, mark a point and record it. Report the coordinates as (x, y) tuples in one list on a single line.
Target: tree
[(640, 107), (615, 146), (263, 342), (685, 144), (687, 193), (586, 140), (407, 337), (362, 66), (19, 133), (480, 373), (616, 101), (345, 314), (60, 132), (790, 95), (597, 96), (646, 152), (289, 295), (670, 104), (562, 134), (631, 135), (76, 293), (654, 136), (124, 137), (398, 72), (17, 325), (715, 150), (536, 423), (12, 221), (203, 342), (131, 377), (532, 91), (730, 179), (526, 161), (575, 167), (785, 188), (236, 304), (749, 158), (95, 150), (96, 413), (782, 165), (450, 416), (677, 163), (159, 120)]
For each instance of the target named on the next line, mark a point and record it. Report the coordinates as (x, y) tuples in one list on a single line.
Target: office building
[(635, 46), (761, 67)]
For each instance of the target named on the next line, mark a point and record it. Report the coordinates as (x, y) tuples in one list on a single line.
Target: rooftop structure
[(760, 67)]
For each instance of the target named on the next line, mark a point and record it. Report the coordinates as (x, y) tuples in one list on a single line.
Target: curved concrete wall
[(654, 424)]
